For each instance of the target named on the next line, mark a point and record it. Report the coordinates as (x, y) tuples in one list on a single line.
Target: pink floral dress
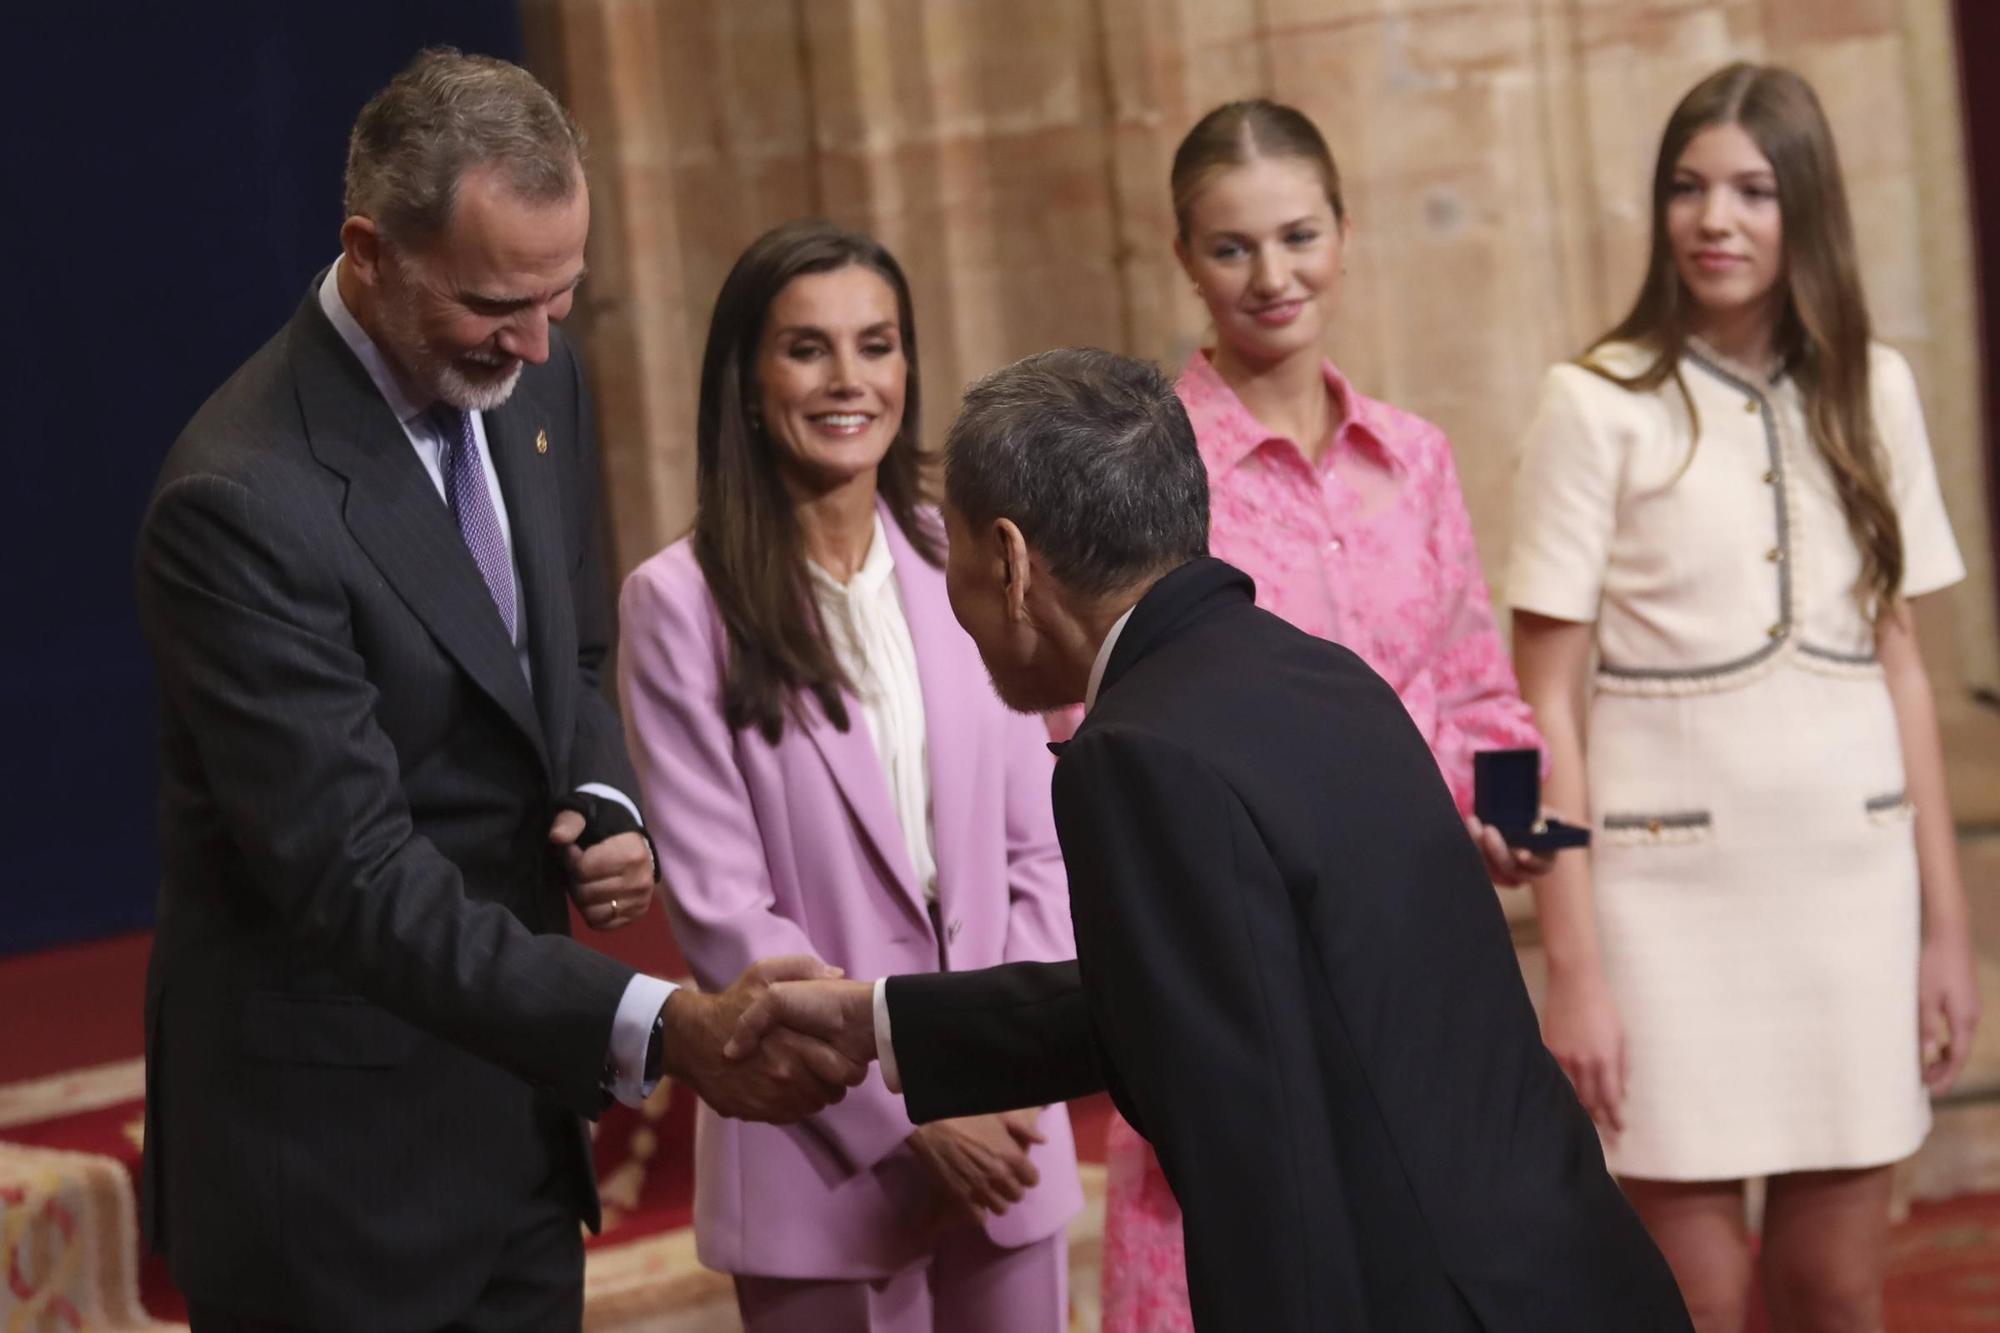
[(1371, 548)]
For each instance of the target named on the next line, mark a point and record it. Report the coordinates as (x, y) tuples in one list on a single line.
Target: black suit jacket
[(1293, 975), (368, 1037)]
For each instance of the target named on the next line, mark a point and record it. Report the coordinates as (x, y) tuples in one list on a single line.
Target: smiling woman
[(1728, 234), (801, 329), (1345, 509), (828, 773), (1724, 509), (831, 371)]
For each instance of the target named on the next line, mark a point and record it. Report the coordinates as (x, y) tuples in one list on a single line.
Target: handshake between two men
[(787, 1038), (791, 1035)]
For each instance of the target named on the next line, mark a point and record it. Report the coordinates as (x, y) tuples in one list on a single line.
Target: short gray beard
[(435, 375), (453, 387)]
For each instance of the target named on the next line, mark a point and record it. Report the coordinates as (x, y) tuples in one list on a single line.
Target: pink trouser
[(968, 1285)]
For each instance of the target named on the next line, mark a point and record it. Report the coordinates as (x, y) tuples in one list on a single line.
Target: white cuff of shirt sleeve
[(631, 1030), (885, 1048), (613, 794)]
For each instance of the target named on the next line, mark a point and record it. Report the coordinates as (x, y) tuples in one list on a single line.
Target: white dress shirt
[(1103, 658), (885, 1046), (632, 1027), (870, 637)]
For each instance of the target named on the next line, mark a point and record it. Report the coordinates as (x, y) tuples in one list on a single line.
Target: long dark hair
[(746, 532), (1823, 329)]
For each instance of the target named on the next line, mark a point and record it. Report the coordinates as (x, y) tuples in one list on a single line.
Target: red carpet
[(1944, 1267), (90, 998), (84, 1005), (73, 1007)]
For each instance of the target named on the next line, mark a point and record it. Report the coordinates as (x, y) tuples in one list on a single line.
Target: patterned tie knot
[(454, 428)]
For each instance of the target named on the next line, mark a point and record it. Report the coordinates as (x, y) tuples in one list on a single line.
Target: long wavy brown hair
[(1823, 329), (746, 532)]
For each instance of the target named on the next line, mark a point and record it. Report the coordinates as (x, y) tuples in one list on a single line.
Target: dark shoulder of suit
[(1464, 1160)]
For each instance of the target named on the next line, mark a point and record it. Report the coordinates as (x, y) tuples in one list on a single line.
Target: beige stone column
[(700, 124)]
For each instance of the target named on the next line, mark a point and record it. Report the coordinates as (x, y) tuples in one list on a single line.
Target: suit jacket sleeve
[(718, 886), (599, 752), (249, 629), (992, 1039), (1195, 957)]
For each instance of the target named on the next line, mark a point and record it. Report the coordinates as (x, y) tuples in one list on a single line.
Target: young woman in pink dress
[(1345, 510)]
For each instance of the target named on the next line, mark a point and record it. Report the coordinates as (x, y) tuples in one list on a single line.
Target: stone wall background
[(1013, 153)]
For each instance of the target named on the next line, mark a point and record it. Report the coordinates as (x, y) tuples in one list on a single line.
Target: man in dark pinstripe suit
[(370, 579)]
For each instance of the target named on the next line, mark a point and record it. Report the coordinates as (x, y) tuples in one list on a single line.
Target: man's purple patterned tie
[(472, 505)]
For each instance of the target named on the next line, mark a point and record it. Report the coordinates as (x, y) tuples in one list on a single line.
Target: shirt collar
[(364, 348), (877, 568), (1104, 657), (1227, 433)]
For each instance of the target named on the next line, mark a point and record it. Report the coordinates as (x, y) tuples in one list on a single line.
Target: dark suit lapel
[(398, 518), (522, 448), (1180, 599)]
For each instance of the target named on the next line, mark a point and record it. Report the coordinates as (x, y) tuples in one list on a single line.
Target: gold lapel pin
[(541, 441)]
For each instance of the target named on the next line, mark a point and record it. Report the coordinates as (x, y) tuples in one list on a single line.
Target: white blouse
[(871, 640)]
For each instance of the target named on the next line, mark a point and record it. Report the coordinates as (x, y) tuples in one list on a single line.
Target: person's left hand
[(979, 1162), (1025, 1125), (1510, 867), (611, 882), (1947, 1006)]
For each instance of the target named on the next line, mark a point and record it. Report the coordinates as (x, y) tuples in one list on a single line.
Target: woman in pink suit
[(827, 771), (1345, 509)]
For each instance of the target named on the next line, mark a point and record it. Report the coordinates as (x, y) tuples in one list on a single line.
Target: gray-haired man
[(1291, 971), (369, 576)]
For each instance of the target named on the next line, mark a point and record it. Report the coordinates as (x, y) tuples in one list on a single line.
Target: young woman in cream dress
[(1724, 510)]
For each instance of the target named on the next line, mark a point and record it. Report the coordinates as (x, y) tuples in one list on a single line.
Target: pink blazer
[(794, 848)]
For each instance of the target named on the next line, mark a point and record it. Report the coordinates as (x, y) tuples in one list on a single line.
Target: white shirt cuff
[(631, 1030), (613, 794), (885, 1050)]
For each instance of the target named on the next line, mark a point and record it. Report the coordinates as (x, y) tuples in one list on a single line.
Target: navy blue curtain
[(171, 181)]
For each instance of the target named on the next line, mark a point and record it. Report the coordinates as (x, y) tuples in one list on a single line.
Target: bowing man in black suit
[(1291, 971), (370, 580)]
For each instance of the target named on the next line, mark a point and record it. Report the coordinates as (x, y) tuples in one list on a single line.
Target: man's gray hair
[(1092, 457), (446, 113)]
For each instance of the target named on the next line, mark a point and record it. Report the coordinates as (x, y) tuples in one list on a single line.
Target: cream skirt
[(1755, 875)]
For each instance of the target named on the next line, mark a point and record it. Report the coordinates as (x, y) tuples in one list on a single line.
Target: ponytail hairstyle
[(1239, 132)]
